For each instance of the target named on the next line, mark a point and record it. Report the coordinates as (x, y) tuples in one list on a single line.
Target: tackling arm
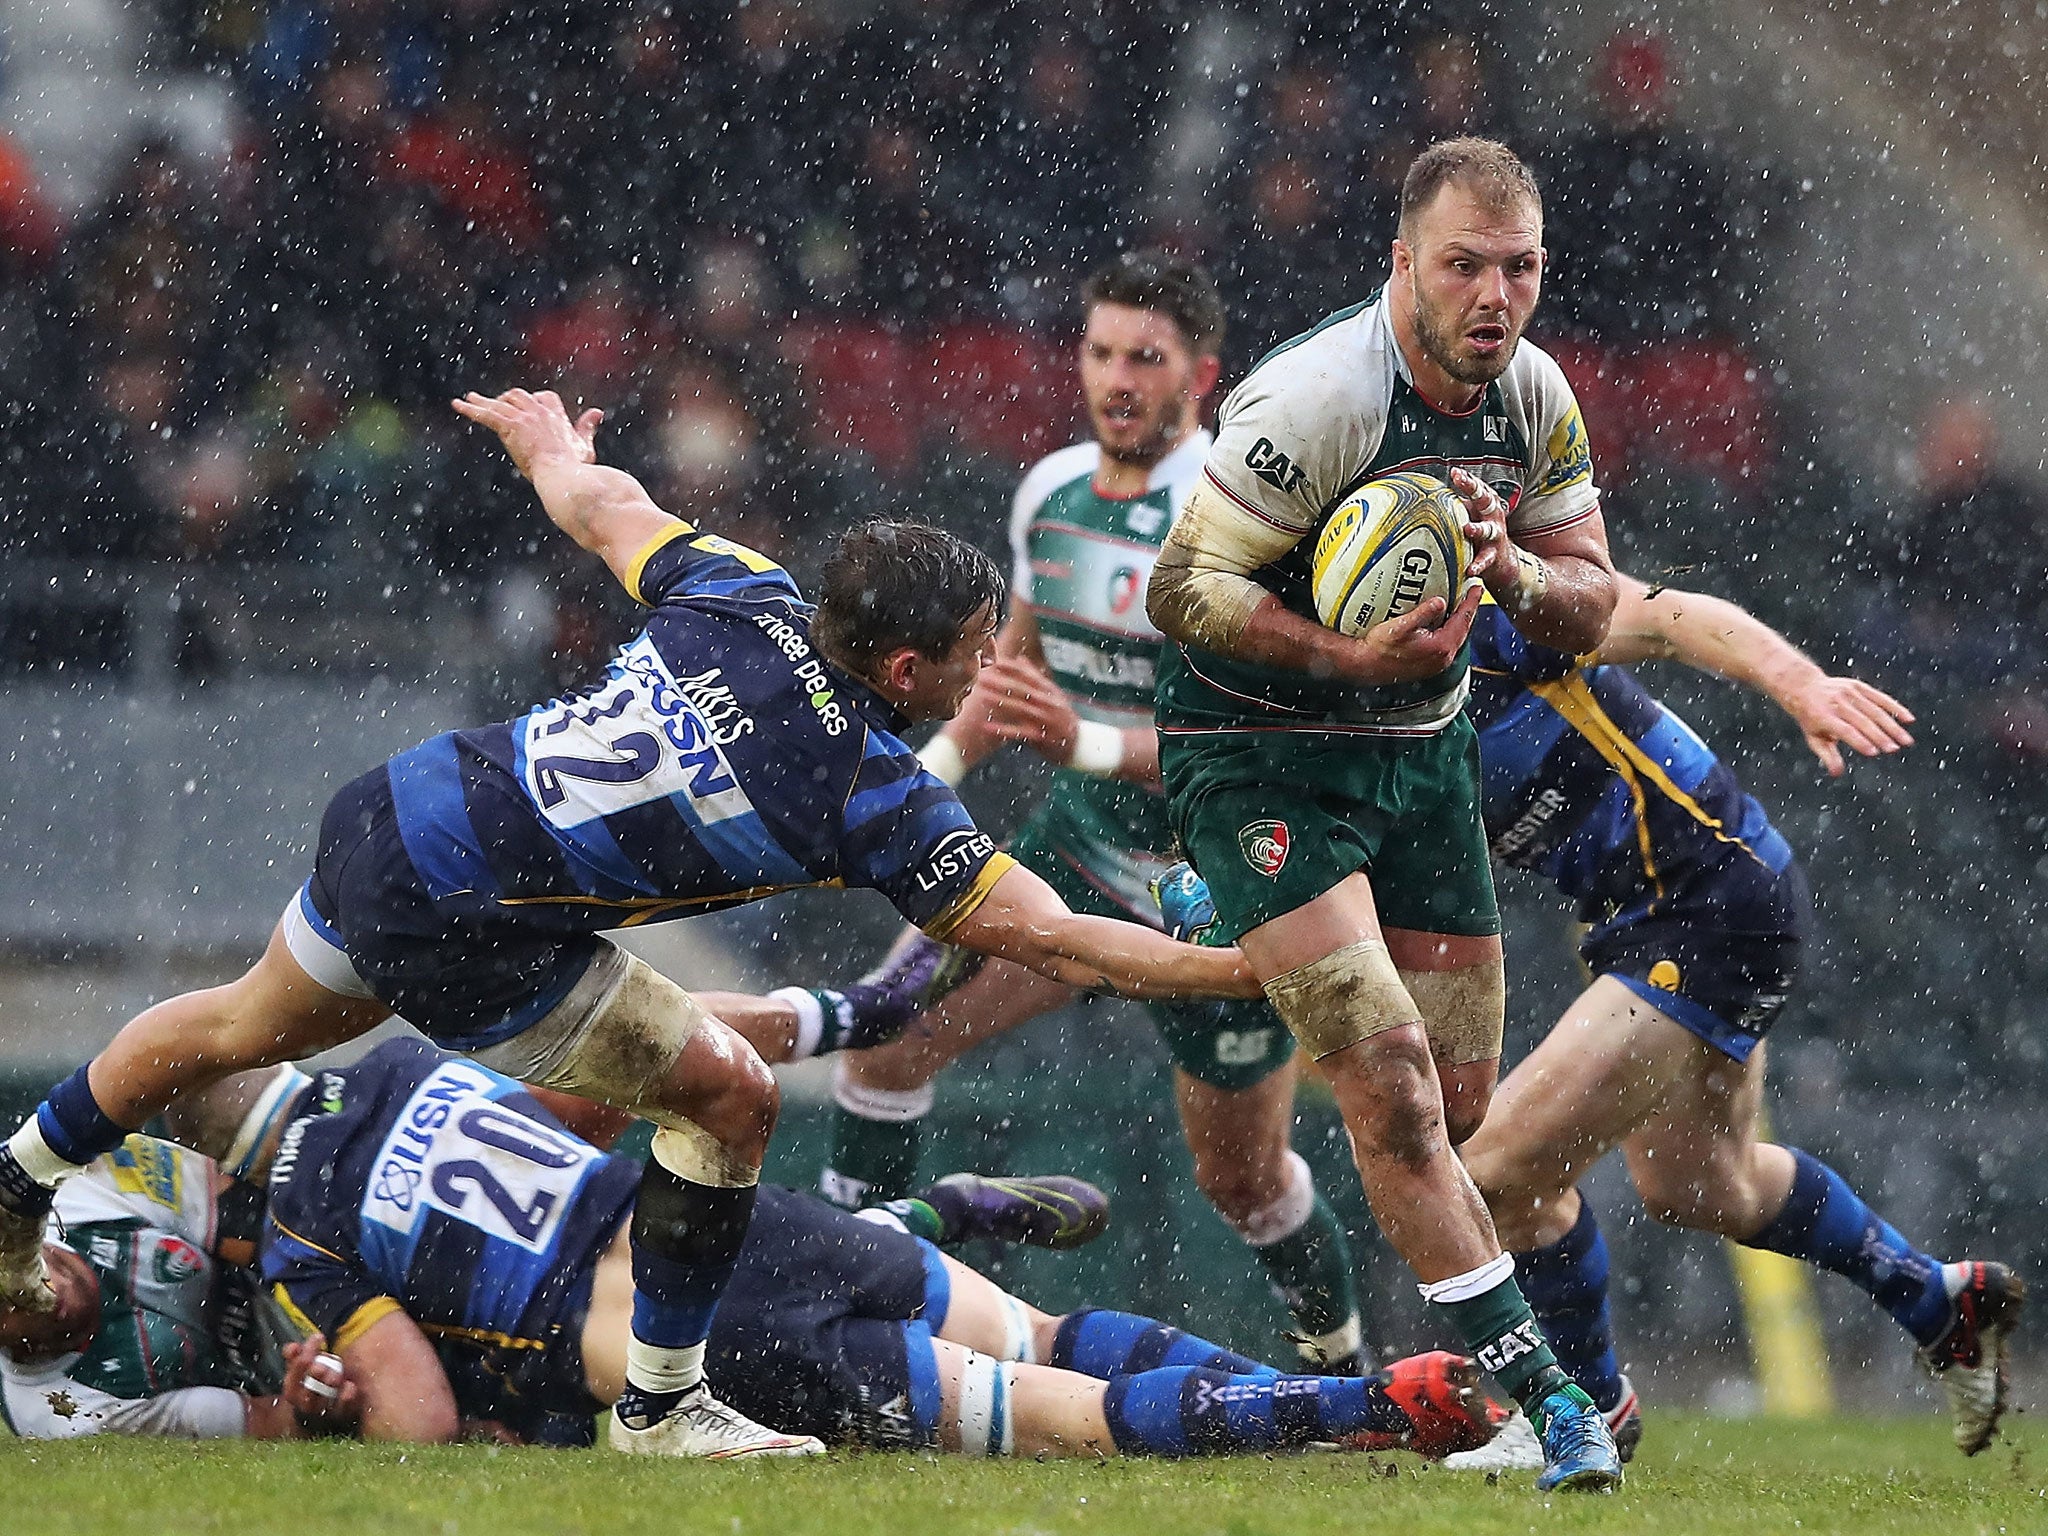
[(1023, 919), (1713, 635), (1202, 594)]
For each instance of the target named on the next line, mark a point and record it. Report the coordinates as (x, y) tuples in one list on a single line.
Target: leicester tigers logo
[(1265, 846)]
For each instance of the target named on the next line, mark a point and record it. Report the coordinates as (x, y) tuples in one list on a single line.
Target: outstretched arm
[(1023, 919), (605, 510), (1714, 635)]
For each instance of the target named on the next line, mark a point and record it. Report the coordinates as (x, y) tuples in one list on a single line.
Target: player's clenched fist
[(534, 426)]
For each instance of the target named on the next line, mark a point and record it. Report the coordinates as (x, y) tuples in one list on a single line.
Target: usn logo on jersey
[(645, 735), (456, 1150)]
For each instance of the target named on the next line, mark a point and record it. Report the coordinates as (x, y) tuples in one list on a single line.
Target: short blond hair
[(1487, 166)]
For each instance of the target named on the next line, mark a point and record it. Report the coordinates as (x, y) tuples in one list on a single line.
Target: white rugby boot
[(701, 1426), (1969, 1360)]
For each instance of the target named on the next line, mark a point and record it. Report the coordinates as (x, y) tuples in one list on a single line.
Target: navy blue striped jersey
[(718, 759), (420, 1181), (1594, 784)]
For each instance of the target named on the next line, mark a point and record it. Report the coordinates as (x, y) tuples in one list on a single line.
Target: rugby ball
[(1399, 541)]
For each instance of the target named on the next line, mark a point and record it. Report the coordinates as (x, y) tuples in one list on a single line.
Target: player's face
[(1474, 270), (67, 1326), (935, 689), (1140, 380)]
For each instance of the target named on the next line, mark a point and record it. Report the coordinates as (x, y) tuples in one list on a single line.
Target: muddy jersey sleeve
[(909, 837)]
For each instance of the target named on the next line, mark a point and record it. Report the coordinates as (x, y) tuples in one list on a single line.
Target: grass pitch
[(1695, 1475)]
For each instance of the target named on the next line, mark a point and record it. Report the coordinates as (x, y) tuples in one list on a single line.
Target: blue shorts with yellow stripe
[(1717, 954)]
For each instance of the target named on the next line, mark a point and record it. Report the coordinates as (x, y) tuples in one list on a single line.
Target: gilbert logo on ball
[(1399, 541), (1265, 846)]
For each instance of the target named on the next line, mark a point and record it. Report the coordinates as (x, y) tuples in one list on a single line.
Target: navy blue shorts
[(459, 970), (827, 1326), (1718, 954)]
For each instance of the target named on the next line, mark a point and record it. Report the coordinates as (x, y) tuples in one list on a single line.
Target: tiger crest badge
[(1265, 846)]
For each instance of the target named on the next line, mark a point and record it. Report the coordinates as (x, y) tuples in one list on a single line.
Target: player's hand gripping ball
[(1398, 542)]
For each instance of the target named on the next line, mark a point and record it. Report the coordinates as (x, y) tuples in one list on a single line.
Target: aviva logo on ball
[(1399, 541)]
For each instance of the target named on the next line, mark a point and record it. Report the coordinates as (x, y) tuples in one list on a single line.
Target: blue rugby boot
[(1579, 1454), (1186, 910)]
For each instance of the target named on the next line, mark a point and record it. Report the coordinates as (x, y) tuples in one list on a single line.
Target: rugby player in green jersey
[(1074, 681), (1327, 786)]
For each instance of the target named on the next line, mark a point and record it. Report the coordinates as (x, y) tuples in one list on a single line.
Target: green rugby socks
[(877, 1137), (1489, 1312)]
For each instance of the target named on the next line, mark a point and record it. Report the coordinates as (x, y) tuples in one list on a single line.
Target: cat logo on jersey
[(1571, 459), (1265, 846), (1274, 467), (1123, 590)]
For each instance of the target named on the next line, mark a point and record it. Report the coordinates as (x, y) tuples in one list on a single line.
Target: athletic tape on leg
[(1474, 1282), (1464, 1010), (984, 1421), (1349, 995), (691, 1152), (1019, 1342)]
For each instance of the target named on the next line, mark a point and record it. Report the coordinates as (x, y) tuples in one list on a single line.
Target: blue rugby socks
[(686, 1242), (1566, 1287), (1185, 1410), (1824, 1222), (1107, 1344), (68, 1130)]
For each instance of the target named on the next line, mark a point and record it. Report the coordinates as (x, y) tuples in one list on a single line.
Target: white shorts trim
[(317, 947)]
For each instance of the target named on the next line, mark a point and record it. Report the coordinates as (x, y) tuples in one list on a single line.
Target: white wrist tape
[(943, 760), (1098, 749), (810, 1021)]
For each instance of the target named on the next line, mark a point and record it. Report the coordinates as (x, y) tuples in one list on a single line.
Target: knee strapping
[(985, 1423), (1464, 1010), (1349, 995), (1283, 1215), (891, 1106), (690, 1152)]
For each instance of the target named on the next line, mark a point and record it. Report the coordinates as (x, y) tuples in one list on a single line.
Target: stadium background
[(817, 261)]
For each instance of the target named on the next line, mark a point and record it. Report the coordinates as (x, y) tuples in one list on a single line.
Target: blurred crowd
[(816, 261)]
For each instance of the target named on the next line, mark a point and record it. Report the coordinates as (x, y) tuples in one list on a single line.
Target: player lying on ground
[(154, 1329), (1073, 679), (1697, 912), (470, 1254), (742, 744)]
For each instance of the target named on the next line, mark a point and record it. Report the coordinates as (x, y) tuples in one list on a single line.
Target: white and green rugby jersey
[(1314, 420), (1083, 561), (143, 1218)]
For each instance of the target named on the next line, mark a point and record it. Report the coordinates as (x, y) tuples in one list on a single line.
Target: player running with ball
[(743, 743), (1328, 786), (1073, 679)]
